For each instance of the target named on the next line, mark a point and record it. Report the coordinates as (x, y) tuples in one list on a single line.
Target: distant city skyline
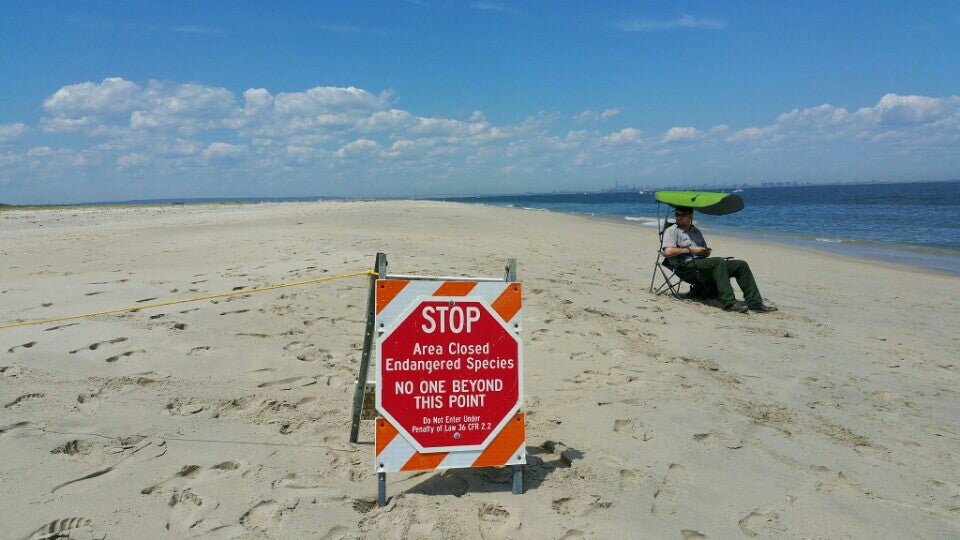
[(106, 101)]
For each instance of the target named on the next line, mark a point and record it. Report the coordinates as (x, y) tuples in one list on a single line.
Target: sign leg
[(517, 479), (381, 489), (381, 265)]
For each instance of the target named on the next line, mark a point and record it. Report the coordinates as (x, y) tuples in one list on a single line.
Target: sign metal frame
[(445, 457)]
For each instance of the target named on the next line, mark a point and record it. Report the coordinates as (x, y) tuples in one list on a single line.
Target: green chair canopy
[(707, 202)]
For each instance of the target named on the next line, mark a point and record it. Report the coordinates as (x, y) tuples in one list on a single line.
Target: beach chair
[(671, 281)]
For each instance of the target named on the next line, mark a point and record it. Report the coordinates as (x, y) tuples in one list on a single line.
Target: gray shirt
[(677, 237)]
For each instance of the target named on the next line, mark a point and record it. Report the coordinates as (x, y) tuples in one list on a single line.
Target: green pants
[(718, 271)]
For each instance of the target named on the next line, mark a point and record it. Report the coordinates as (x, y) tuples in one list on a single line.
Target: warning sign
[(449, 374)]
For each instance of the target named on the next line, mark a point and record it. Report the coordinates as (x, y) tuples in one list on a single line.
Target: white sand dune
[(836, 417)]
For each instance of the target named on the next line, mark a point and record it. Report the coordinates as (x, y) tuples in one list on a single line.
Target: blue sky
[(135, 100)]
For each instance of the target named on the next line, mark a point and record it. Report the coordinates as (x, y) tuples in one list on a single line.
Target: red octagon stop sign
[(449, 374)]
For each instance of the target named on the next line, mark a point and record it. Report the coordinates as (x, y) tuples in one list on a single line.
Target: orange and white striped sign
[(507, 447)]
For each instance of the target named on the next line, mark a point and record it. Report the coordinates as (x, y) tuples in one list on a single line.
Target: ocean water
[(907, 223)]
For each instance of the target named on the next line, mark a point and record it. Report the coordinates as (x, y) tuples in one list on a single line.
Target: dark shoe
[(762, 308), (739, 307)]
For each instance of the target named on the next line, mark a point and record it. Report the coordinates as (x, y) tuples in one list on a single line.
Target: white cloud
[(112, 97), (223, 151), (918, 118), (323, 99), (302, 154), (358, 148), (132, 160), (913, 110), (624, 136), (9, 132), (388, 121), (682, 133), (752, 134), (257, 98), (400, 148), (38, 151), (593, 116), (823, 114), (684, 21)]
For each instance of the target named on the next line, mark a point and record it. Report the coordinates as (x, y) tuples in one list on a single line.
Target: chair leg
[(673, 285), (653, 278)]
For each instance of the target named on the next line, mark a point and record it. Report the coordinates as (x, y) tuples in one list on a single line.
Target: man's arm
[(673, 251)]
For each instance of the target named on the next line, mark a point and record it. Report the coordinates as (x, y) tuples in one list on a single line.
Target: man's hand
[(700, 251)]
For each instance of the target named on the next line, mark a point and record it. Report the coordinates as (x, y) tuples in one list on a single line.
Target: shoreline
[(925, 258), (919, 258)]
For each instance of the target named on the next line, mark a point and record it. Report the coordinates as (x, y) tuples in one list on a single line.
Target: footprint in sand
[(73, 448), (631, 479), (265, 516), (294, 488), (335, 532), (179, 408), (123, 355), (762, 522), (633, 428), (59, 327), (719, 439), (189, 508), (131, 451), (72, 527), (23, 346), (97, 345), (307, 352), (89, 403), (666, 498), (21, 399), (497, 521), (287, 384), (837, 481), (561, 505), (578, 507), (14, 429), (11, 371)]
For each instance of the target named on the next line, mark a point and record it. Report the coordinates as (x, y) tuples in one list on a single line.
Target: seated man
[(686, 252)]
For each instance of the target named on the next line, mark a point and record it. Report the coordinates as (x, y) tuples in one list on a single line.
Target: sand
[(647, 417)]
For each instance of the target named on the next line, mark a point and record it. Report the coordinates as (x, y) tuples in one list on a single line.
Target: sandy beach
[(647, 417)]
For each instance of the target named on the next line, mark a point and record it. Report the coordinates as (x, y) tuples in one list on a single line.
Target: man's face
[(684, 220)]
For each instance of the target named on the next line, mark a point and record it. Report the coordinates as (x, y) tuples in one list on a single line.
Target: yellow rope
[(185, 300)]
